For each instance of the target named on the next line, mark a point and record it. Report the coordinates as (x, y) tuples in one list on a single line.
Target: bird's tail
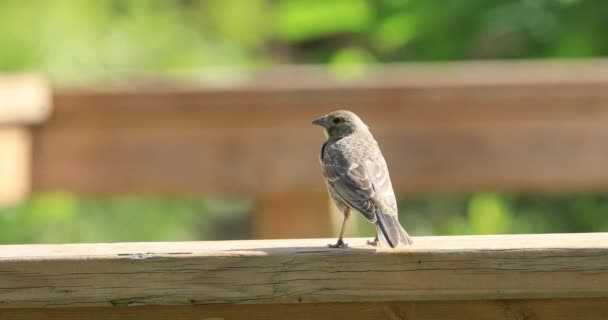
[(390, 231)]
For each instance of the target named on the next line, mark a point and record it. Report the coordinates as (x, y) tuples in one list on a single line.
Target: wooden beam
[(303, 271), (553, 309), (441, 128)]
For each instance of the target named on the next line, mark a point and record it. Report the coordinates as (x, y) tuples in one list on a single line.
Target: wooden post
[(299, 214), (24, 100), (293, 214), (15, 149)]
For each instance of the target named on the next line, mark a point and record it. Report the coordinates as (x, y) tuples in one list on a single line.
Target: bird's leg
[(340, 243), (376, 241)]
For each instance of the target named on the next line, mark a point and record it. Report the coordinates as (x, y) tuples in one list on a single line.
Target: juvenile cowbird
[(357, 177)]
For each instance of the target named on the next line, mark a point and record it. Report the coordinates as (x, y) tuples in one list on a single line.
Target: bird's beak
[(320, 122)]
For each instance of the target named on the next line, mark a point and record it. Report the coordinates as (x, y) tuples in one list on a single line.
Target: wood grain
[(304, 271), (539, 309)]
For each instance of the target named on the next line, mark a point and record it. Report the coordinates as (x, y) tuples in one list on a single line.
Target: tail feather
[(390, 231)]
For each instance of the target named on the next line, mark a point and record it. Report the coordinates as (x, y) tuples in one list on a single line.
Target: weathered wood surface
[(516, 126), (24, 99), (539, 309), (304, 271)]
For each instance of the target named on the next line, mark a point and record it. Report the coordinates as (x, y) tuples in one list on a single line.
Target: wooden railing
[(515, 126), (557, 276)]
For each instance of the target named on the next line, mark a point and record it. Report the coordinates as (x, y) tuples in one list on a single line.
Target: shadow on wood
[(556, 309)]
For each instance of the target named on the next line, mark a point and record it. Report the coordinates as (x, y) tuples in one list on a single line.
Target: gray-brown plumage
[(357, 177)]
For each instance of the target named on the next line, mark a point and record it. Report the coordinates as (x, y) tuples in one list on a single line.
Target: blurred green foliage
[(104, 40), (65, 218), (111, 39), (490, 213)]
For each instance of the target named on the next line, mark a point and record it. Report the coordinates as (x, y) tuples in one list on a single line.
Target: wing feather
[(364, 185)]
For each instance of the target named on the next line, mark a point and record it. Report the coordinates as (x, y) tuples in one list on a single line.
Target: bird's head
[(341, 123)]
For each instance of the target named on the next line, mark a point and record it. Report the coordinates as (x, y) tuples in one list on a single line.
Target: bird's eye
[(337, 120)]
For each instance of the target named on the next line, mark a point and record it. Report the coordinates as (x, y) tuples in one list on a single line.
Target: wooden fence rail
[(553, 276)]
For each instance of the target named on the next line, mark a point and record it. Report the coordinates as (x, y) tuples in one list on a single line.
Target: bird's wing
[(364, 185), (379, 176), (353, 185)]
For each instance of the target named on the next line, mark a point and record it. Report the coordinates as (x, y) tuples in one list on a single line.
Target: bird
[(357, 178)]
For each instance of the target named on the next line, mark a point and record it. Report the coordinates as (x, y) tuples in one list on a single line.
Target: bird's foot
[(374, 243), (340, 244)]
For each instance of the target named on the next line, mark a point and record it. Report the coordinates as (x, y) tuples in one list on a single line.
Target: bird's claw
[(340, 244), (374, 243)]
